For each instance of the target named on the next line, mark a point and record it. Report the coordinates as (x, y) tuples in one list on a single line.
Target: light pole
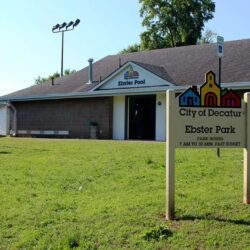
[(61, 28)]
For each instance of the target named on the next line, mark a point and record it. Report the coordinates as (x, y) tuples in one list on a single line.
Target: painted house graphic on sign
[(190, 98), (230, 99), (210, 92), (131, 74), (211, 95)]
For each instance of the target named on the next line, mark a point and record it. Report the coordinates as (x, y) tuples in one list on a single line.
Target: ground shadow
[(212, 218), (40, 150), (4, 152)]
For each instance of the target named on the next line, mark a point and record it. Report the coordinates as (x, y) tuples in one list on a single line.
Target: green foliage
[(159, 233), (172, 23), (69, 71), (74, 240), (130, 49), (40, 80), (90, 194)]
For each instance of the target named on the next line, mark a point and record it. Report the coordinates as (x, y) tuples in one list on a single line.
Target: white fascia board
[(99, 93), (89, 94), (133, 91), (231, 85), (236, 85), (122, 68)]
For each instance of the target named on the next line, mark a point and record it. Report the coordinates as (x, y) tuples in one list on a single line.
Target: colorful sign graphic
[(211, 95), (131, 74)]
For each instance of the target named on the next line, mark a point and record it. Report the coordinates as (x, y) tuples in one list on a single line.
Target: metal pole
[(219, 71), (218, 149), (62, 54)]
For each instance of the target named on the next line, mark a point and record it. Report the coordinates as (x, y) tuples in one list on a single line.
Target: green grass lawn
[(63, 194)]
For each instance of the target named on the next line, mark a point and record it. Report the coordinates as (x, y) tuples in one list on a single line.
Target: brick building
[(120, 96)]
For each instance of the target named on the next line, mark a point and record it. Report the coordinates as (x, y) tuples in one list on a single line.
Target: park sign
[(209, 118), (215, 117)]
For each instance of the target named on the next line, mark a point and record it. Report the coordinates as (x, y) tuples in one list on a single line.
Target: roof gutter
[(100, 93)]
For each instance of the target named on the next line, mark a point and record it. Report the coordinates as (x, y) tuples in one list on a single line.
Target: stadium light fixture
[(76, 23), (69, 24), (61, 28), (55, 27)]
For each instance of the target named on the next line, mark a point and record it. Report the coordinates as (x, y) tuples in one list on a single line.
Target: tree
[(40, 80), (208, 37), (172, 23), (131, 48), (69, 71)]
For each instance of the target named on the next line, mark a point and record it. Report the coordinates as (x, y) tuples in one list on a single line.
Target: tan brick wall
[(73, 115)]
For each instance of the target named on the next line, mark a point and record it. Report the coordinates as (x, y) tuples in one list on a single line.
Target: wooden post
[(246, 183), (170, 157)]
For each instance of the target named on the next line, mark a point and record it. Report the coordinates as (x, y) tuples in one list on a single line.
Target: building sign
[(131, 78), (220, 46), (210, 117)]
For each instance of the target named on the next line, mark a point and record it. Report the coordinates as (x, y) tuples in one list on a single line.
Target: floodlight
[(63, 25), (69, 24), (55, 27), (76, 23), (62, 28)]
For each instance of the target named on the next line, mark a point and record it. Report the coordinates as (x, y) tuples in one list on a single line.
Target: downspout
[(11, 106)]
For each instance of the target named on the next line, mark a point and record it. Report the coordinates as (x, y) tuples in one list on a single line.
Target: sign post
[(210, 118), (170, 158), (246, 187)]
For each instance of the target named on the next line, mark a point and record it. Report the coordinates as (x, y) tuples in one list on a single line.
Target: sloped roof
[(157, 70), (185, 65)]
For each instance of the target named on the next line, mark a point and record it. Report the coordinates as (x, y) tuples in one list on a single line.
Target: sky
[(29, 49)]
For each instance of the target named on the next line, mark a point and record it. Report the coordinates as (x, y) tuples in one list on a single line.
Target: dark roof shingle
[(181, 66)]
